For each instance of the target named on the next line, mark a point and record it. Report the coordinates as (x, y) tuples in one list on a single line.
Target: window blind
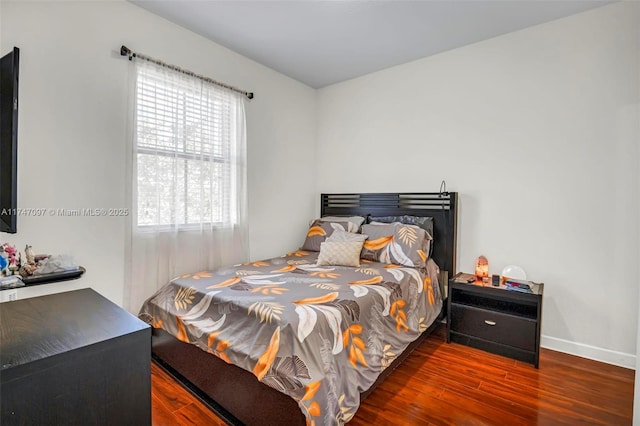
[(185, 151)]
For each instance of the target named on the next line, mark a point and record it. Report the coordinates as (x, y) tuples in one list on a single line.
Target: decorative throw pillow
[(340, 253), (424, 222), (356, 220), (339, 235), (398, 243), (319, 231), (428, 245)]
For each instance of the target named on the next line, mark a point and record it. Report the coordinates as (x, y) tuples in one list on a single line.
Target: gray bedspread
[(321, 335)]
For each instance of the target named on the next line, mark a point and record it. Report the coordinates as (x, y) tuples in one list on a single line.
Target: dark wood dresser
[(496, 319), (73, 358)]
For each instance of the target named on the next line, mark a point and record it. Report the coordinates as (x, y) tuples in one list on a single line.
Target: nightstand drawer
[(494, 326)]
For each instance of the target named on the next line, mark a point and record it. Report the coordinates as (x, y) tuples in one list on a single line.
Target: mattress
[(321, 335)]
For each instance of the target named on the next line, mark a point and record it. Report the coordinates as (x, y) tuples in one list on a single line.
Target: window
[(186, 151)]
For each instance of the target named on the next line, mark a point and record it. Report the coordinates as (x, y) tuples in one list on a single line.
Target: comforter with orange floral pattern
[(321, 335)]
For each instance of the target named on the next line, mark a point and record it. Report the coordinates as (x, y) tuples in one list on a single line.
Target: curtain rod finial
[(125, 51), (250, 95)]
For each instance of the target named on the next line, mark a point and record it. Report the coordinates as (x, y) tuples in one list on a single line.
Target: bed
[(289, 341)]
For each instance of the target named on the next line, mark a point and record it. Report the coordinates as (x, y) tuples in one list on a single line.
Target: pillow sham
[(339, 235), (357, 220), (352, 226), (397, 243), (424, 222), (340, 253), (319, 231)]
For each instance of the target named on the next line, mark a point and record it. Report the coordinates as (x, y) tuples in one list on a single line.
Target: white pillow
[(340, 253)]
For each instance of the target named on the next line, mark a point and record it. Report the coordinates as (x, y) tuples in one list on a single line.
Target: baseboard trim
[(620, 359)]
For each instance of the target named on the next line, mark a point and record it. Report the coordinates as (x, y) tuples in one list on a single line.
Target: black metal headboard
[(441, 206)]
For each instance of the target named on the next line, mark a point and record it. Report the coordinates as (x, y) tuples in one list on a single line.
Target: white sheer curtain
[(188, 179)]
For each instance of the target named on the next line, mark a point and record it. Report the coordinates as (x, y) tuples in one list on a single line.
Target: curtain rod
[(125, 51)]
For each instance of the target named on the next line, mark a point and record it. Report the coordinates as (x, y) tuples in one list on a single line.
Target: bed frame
[(235, 394)]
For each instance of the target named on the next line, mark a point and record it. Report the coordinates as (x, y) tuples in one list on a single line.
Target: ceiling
[(324, 42)]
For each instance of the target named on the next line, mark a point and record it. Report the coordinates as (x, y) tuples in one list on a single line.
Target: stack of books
[(518, 285)]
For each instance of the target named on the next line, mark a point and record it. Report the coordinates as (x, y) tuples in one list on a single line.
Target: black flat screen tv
[(9, 141)]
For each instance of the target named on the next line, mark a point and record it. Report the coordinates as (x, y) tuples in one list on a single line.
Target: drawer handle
[(489, 322)]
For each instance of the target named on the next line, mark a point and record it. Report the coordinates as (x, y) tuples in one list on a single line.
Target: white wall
[(636, 393), (636, 388), (74, 90), (533, 130)]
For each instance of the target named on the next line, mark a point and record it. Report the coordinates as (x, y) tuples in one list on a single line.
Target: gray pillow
[(358, 220), (424, 222), (397, 243), (320, 230), (428, 248), (340, 236), (352, 222)]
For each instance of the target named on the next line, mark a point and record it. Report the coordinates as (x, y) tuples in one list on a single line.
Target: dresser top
[(40, 327)]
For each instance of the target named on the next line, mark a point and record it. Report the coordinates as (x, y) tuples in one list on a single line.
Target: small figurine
[(11, 259), (28, 252), (13, 269), (4, 261), (27, 270), (14, 264)]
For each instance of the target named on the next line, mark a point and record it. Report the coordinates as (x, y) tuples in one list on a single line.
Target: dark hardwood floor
[(173, 405), (443, 384)]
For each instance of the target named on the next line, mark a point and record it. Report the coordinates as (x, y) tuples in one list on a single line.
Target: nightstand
[(495, 319)]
